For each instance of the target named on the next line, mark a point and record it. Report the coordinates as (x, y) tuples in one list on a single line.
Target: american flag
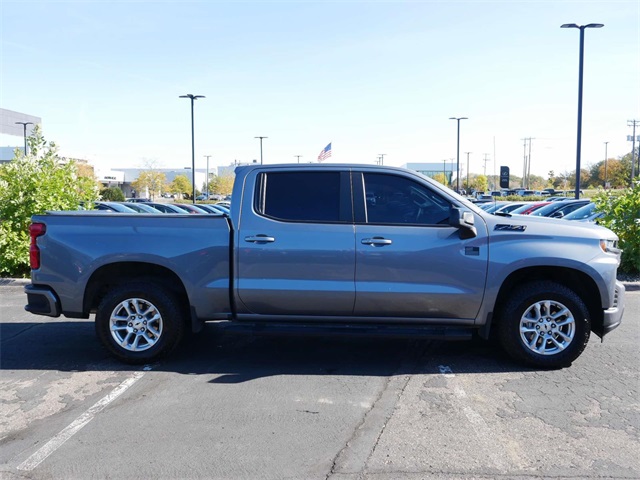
[(325, 153)]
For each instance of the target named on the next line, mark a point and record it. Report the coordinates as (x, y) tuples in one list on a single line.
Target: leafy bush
[(622, 215), (112, 194), (31, 185)]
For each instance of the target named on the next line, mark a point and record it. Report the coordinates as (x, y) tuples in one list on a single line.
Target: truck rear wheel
[(139, 322), (544, 324)]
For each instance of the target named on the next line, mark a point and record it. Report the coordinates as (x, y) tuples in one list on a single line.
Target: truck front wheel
[(139, 322), (544, 324)]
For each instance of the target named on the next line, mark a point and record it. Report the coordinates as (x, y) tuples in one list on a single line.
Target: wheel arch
[(581, 283), (108, 276)]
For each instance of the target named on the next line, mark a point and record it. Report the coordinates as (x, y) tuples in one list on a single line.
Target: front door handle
[(259, 239), (376, 241)]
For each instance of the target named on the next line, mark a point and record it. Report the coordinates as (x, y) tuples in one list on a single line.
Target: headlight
[(610, 246)]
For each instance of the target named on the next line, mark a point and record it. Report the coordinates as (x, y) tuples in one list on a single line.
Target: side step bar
[(391, 331)]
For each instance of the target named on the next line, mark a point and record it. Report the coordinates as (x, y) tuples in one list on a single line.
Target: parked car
[(213, 208), (190, 208), (491, 207), (224, 203), (552, 208), (167, 208), (138, 200), (586, 213), (528, 208), (113, 207), (509, 208), (141, 207), (568, 207)]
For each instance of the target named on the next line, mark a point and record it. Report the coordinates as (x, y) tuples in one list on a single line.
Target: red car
[(527, 209)]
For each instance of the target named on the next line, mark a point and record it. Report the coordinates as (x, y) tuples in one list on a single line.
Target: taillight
[(35, 230)]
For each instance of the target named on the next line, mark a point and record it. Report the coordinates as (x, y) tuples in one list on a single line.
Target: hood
[(543, 226)]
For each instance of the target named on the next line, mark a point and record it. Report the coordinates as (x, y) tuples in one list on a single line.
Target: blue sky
[(371, 77)]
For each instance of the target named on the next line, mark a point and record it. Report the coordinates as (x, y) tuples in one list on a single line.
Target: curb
[(14, 282)]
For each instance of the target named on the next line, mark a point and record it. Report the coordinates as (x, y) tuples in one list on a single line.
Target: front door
[(409, 261)]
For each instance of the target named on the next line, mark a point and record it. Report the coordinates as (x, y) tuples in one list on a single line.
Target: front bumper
[(613, 316), (42, 301)]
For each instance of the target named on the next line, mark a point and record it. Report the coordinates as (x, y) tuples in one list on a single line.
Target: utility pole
[(381, 157), (298, 157), (524, 164), (526, 168), (633, 123), (467, 171), (606, 144), (206, 183), (485, 163), (529, 165), (444, 171)]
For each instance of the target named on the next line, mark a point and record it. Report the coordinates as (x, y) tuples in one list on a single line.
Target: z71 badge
[(511, 228)]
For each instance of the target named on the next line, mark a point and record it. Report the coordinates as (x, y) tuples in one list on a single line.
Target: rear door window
[(323, 197)]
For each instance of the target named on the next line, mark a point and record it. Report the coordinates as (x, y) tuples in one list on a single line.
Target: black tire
[(147, 321), (551, 337)]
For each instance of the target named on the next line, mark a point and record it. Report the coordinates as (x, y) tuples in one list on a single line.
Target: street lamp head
[(581, 27), (260, 137), (24, 123), (191, 96), (458, 118)]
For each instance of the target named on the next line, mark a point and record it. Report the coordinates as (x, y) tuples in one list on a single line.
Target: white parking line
[(477, 422), (74, 427)]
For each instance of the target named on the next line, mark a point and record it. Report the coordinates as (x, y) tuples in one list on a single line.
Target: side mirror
[(464, 221)]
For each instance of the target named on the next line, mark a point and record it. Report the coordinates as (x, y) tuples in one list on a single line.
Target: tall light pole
[(24, 128), (260, 148), (457, 119), (634, 124), (298, 157), (206, 183), (606, 144), (580, 70), (193, 145), (468, 171), (381, 157)]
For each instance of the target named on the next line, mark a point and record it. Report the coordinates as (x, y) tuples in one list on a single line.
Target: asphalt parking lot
[(242, 406)]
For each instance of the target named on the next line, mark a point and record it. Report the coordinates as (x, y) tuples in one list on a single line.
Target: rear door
[(296, 243), (409, 261)]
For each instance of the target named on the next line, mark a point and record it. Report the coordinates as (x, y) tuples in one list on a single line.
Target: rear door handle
[(259, 239), (376, 241)]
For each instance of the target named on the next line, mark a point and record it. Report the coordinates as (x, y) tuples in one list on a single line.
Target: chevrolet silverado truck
[(331, 248)]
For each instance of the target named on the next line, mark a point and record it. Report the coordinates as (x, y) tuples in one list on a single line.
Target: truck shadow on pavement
[(231, 358)]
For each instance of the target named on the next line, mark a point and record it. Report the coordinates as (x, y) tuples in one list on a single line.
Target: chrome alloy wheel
[(136, 324), (547, 327)]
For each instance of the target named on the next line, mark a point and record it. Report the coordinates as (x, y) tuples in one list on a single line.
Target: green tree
[(181, 186), (149, 181), (112, 194), (440, 178), (480, 183), (622, 215), (223, 184), (31, 185)]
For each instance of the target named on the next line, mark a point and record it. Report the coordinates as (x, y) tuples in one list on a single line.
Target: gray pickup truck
[(331, 248)]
